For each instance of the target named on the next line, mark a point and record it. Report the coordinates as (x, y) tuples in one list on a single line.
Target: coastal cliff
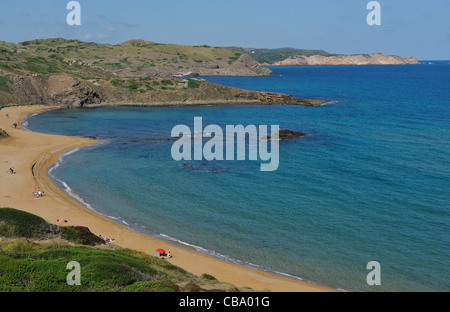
[(360, 59), (70, 91)]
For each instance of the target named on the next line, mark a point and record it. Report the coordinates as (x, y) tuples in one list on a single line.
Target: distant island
[(290, 56)]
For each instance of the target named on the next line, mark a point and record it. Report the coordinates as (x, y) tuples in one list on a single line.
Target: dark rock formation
[(285, 134), (3, 134), (69, 91), (81, 235)]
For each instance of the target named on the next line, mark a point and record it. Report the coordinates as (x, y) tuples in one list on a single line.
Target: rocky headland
[(72, 73), (360, 59), (71, 91)]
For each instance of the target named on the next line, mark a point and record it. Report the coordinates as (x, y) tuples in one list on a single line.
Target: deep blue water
[(371, 184)]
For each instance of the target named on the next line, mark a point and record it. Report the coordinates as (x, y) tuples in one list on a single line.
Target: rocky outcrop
[(244, 66), (3, 134), (272, 98), (360, 59), (285, 134), (70, 91), (58, 89), (275, 98)]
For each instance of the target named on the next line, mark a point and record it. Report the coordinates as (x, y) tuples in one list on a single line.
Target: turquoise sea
[(372, 182)]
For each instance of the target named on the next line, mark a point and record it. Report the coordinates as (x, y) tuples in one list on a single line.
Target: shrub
[(235, 57), (5, 84), (209, 277), (29, 269), (151, 286), (133, 86), (7, 230), (193, 83), (116, 82), (166, 82), (25, 224)]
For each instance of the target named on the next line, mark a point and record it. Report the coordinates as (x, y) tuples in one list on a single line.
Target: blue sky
[(408, 27)]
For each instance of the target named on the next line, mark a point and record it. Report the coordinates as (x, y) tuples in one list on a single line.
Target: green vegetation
[(166, 82), (18, 223), (5, 84), (151, 286), (116, 82), (9, 105), (145, 84), (26, 267), (209, 277), (39, 64), (235, 57), (88, 59), (114, 65), (133, 85), (28, 263), (193, 83)]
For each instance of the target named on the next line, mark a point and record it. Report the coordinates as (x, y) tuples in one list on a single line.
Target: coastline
[(33, 154)]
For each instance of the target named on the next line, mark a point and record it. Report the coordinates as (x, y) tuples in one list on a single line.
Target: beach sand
[(31, 154)]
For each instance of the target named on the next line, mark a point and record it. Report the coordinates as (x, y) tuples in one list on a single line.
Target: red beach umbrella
[(160, 250)]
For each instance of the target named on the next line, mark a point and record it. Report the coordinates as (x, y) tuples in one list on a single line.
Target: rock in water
[(285, 134)]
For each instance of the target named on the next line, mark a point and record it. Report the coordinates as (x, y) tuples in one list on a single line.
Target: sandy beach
[(31, 154)]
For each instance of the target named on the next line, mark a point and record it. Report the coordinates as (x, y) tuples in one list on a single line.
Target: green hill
[(34, 256), (134, 58)]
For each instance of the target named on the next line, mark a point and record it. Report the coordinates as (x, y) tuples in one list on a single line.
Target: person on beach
[(15, 125), (106, 239), (168, 256), (38, 192)]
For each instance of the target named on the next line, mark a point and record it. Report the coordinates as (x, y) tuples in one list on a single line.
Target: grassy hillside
[(34, 256), (134, 58)]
